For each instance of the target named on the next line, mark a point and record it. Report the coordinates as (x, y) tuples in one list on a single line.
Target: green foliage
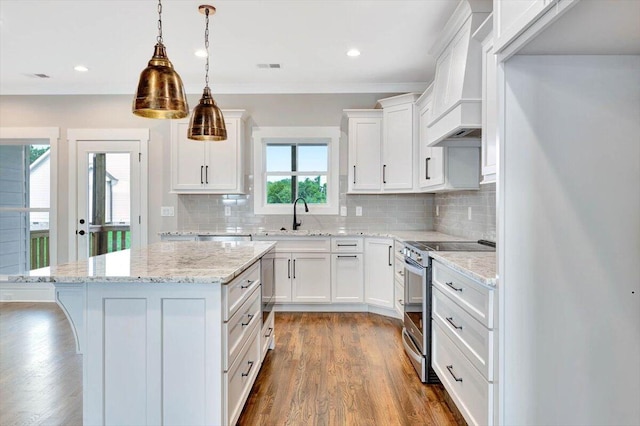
[(36, 152), (312, 190)]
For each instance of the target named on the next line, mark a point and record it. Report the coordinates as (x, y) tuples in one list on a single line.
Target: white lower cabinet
[(347, 278), (267, 337), (303, 277), (378, 277), (463, 342), (241, 376)]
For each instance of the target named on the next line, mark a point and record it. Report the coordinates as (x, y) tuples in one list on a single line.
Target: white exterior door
[(110, 213)]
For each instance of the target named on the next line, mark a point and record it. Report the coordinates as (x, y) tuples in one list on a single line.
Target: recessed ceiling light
[(353, 53), (201, 53), (81, 68)]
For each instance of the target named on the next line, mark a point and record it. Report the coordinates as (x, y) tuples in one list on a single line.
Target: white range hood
[(456, 111)]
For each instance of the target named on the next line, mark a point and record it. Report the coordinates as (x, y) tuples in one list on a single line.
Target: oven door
[(415, 317)]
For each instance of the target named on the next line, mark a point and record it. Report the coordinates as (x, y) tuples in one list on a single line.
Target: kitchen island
[(170, 333)]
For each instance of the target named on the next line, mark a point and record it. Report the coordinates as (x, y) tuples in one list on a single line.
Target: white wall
[(115, 112), (570, 240)]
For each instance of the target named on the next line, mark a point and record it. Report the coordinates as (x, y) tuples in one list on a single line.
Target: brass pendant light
[(207, 121), (160, 91)]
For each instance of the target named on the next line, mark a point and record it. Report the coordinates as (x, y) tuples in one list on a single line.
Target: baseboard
[(335, 307), (27, 292)]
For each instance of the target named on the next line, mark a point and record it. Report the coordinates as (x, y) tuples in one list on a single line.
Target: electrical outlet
[(469, 213), (227, 210), (358, 210), (166, 211), (343, 210), (437, 210)]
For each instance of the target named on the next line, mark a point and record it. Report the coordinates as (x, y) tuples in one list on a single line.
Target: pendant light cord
[(159, 38), (206, 46)]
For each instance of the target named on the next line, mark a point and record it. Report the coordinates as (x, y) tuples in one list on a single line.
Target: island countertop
[(167, 262), (480, 266)]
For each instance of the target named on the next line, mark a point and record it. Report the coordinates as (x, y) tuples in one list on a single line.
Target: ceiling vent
[(269, 66)]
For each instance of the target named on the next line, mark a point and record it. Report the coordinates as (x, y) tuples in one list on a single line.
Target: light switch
[(227, 210), (343, 210), (166, 211), (359, 211), (437, 210), (469, 213)]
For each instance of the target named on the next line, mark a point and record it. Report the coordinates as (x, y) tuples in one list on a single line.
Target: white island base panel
[(152, 352)]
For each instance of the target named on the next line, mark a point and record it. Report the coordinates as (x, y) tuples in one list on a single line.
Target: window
[(292, 162)]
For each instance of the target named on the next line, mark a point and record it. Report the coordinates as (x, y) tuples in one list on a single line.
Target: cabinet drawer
[(471, 392), (240, 377), (236, 292), (398, 269), (472, 338), (267, 335), (239, 327), (399, 299), (473, 297), (346, 245)]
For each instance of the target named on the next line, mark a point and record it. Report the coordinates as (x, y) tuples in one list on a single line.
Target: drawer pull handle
[(270, 332), (450, 368), (400, 302), (344, 255), (251, 366), (401, 273), (457, 327), (450, 284), (347, 245), (244, 324), (249, 282)]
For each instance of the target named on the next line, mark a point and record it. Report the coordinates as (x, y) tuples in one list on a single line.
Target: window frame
[(298, 136)]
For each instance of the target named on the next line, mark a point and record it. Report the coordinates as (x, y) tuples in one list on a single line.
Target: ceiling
[(308, 38)]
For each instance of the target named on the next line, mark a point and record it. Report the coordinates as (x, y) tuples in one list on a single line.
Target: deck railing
[(39, 246), (108, 238)]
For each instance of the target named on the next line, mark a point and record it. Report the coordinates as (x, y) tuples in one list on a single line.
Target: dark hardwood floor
[(327, 369)]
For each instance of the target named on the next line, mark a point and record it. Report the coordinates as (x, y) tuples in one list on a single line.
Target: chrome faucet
[(295, 219)]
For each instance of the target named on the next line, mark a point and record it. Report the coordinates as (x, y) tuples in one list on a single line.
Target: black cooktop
[(480, 245)]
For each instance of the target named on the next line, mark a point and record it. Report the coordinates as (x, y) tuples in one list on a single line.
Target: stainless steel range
[(416, 334)]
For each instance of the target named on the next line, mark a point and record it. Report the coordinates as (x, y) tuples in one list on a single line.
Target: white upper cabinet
[(489, 154), (365, 150), (208, 167), (383, 147), (448, 168), (398, 142), (516, 23)]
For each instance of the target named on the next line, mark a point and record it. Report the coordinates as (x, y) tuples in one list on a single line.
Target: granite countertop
[(480, 266), (165, 262), (339, 232)]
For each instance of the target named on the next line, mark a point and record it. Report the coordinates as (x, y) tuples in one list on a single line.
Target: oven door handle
[(414, 269)]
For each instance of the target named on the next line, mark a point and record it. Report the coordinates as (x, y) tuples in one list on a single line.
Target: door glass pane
[(109, 202), (313, 189), (312, 158)]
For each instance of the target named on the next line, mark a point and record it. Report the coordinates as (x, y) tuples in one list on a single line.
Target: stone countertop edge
[(76, 272), (416, 235), (479, 266)]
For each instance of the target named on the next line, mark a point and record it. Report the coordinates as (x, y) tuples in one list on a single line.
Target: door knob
[(81, 232)]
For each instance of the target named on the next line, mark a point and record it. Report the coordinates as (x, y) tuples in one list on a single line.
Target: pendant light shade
[(207, 121), (160, 91)]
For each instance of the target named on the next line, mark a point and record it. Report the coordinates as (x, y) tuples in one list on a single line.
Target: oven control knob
[(419, 258)]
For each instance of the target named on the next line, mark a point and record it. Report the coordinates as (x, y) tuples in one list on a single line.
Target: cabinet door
[(441, 83), (434, 166), (187, 159), (224, 160), (397, 147), (282, 265), (365, 138), (347, 279), (378, 277), (489, 111), (311, 277)]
